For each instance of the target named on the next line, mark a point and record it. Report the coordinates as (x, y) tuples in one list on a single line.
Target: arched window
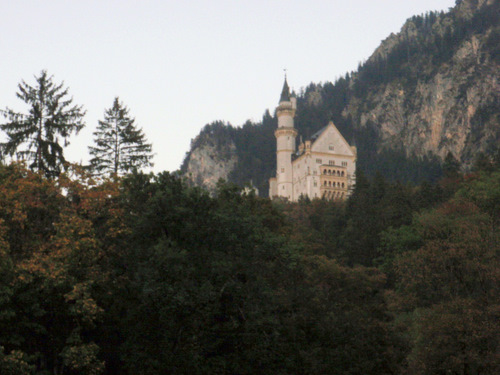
[(342, 174)]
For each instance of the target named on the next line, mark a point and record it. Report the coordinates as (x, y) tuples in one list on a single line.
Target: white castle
[(323, 166)]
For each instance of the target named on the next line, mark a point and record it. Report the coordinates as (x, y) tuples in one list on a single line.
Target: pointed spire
[(285, 93)]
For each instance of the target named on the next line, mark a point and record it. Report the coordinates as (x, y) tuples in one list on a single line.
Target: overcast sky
[(179, 65)]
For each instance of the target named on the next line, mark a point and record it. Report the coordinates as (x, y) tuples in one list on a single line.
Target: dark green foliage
[(429, 45), (320, 103), (220, 289), (218, 134), (255, 150), (14, 363), (152, 277), (120, 146), (51, 116), (317, 105), (395, 164), (445, 269), (425, 47), (451, 166), (374, 206), (145, 275), (255, 147)]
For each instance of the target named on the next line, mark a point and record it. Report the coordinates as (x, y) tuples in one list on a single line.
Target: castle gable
[(331, 141), (322, 167)]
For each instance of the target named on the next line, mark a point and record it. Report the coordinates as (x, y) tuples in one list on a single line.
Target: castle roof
[(317, 134), (285, 93)]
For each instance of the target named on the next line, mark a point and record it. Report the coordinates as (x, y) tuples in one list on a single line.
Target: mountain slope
[(430, 90), (434, 87)]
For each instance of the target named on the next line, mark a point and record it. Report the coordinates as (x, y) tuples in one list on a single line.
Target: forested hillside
[(430, 90), (111, 271), (145, 275)]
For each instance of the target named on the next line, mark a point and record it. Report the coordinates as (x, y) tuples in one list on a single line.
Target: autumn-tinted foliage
[(144, 275), (52, 269)]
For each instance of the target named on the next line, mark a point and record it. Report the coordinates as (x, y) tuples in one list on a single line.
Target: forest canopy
[(145, 275)]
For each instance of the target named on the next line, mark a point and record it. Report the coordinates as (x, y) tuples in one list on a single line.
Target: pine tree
[(120, 146), (51, 115)]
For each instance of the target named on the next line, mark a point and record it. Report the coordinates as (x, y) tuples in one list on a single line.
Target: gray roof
[(317, 134), (285, 93)]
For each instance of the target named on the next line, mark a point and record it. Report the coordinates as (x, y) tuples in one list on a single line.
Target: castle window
[(330, 147), (319, 161), (331, 162), (338, 173), (344, 164), (343, 184), (315, 184), (342, 174)]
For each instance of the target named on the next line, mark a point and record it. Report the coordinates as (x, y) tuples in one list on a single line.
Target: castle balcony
[(333, 182)]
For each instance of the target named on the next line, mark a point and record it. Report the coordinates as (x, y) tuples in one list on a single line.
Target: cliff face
[(212, 157), (430, 89), (437, 108)]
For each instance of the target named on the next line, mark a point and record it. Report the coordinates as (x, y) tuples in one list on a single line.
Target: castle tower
[(285, 143)]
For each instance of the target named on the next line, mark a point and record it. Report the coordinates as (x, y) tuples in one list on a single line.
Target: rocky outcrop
[(210, 159), (452, 107), (432, 88)]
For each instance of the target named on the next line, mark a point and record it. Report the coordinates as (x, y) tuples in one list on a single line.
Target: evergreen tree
[(120, 146), (51, 115), (451, 166)]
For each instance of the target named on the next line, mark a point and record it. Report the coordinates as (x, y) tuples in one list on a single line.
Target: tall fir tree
[(120, 146), (51, 116)]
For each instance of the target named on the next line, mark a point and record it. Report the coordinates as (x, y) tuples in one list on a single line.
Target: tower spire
[(285, 93)]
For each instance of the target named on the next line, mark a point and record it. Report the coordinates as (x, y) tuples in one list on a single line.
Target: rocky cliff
[(442, 103), (212, 156), (431, 89)]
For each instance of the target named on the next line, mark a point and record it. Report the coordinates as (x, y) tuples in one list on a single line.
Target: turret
[(285, 142)]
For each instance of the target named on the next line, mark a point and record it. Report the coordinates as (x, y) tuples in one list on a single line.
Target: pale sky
[(179, 65)]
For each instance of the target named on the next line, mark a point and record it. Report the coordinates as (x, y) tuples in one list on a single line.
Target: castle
[(323, 166)]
